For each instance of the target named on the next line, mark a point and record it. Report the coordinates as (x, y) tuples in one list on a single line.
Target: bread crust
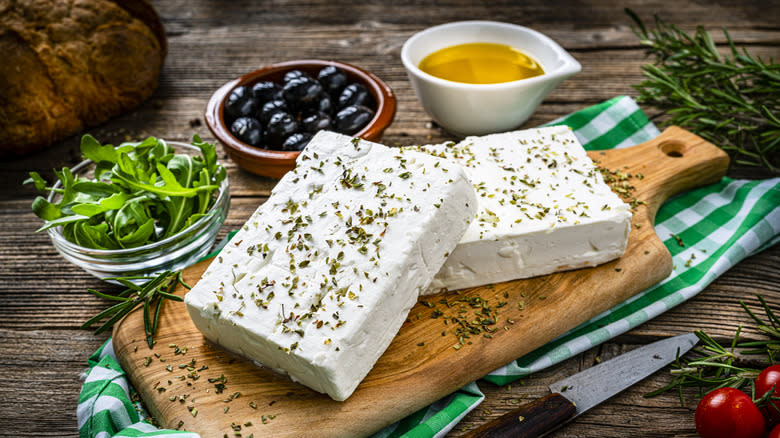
[(73, 64)]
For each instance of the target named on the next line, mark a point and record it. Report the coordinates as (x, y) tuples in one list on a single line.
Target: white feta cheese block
[(543, 207), (321, 277)]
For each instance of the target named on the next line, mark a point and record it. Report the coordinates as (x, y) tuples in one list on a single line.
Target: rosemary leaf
[(111, 310), (714, 366), (733, 101), (149, 294), (147, 322), (155, 321), (171, 297), (117, 316), (181, 280), (107, 296)]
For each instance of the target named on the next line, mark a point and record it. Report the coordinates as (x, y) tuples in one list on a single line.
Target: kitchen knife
[(576, 394)]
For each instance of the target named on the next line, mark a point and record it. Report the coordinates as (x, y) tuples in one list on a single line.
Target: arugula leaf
[(68, 181), (93, 236), (209, 152), (36, 179), (62, 221), (88, 209), (179, 210), (142, 152), (185, 168), (203, 197), (161, 152), (139, 236), (170, 186), (113, 202), (96, 189), (192, 219), (141, 193), (45, 209), (127, 167), (93, 150), (129, 218)]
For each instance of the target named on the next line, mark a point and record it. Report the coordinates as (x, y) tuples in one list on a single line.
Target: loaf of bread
[(70, 64)]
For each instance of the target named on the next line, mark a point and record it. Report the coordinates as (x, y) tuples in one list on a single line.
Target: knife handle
[(529, 420)]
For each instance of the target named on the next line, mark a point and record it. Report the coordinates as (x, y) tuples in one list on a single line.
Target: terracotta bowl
[(274, 163)]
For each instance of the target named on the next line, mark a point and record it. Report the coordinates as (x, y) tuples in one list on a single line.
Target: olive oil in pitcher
[(480, 63)]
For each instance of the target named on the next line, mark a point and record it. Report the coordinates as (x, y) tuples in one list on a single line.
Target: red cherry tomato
[(764, 382), (729, 413), (775, 433)]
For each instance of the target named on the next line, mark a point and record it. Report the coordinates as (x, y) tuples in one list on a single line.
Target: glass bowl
[(173, 253)]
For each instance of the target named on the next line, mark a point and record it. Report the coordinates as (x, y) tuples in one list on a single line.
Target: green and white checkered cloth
[(720, 224)]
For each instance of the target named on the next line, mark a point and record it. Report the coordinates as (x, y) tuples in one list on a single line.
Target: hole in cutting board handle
[(672, 149)]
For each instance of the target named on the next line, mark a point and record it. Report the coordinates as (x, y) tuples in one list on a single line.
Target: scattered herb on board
[(731, 100), (714, 366), (467, 316), (149, 294), (141, 193), (620, 183)]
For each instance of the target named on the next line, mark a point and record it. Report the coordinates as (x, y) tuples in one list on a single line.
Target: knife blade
[(576, 394)]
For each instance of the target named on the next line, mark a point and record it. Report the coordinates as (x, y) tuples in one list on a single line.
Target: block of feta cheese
[(320, 278), (543, 207)]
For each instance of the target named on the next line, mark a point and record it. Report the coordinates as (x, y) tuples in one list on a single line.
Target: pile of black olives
[(285, 117)]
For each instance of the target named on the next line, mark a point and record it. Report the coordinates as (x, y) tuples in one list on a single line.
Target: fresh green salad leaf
[(140, 193), (36, 179), (93, 150)]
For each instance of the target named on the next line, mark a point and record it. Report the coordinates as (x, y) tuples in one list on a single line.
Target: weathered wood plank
[(181, 16), (40, 375)]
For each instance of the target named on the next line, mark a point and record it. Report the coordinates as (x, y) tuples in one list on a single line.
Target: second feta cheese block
[(543, 208), (320, 278)]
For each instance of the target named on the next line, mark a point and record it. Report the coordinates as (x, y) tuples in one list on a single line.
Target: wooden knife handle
[(529, 420)]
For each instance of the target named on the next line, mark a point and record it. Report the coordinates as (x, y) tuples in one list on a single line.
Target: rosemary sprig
[(149, 294), (770, 347), (733, 101), (714, 366)]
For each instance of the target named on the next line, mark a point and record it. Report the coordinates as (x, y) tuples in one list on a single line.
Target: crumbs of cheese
[(320, 278), (543, 208)]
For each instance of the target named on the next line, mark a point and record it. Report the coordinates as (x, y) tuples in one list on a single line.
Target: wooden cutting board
[(421, 365)]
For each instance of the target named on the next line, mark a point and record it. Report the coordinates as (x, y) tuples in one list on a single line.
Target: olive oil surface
[(480, 63)]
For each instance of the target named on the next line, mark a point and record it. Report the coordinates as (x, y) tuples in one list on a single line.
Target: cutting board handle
[(675, 161)]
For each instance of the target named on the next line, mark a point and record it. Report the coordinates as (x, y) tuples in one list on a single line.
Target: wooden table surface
[(43, 299)]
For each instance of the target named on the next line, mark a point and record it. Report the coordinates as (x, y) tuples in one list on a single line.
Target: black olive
[(248, 130), (280, 126), (266, 91), (271, 108), (294, 74), (352, 119), (354, 94), (296, 142), (333, 79), (240, 103), (301, 92), (324, 103), (316, 122)]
